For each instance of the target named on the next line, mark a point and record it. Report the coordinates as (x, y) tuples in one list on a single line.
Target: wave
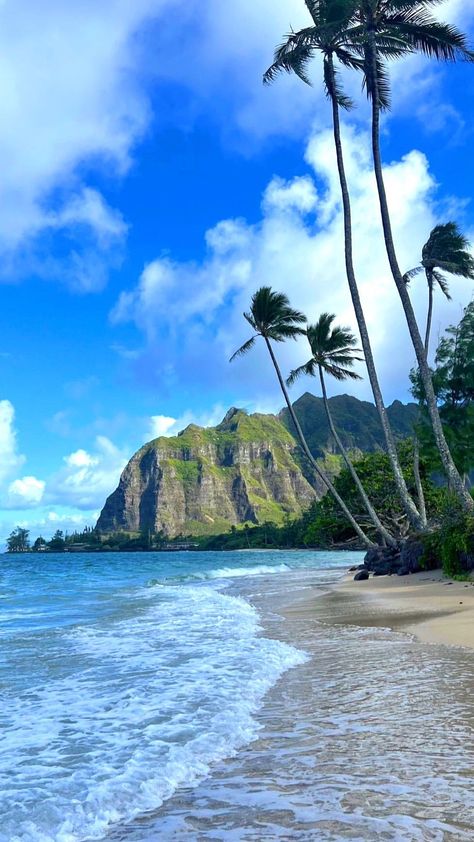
[(235, 572), (134, 708)]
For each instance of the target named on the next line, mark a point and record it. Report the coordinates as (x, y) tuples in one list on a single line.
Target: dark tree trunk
[(408, 504), (452, 473), (355, 476), (429, 316)]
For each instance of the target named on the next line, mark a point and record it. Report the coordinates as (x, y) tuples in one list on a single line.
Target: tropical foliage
[(364, 35), (446, 252), (272, 318), (453, 380), (334, 352)]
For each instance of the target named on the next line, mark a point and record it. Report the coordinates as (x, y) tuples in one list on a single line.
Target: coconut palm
[(272, 318), (409, 24), (334, 352), (332, 35), (445, 252)]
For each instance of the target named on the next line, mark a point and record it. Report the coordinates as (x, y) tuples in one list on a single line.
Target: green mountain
[(357, 422), (206, 480), (249, 468)]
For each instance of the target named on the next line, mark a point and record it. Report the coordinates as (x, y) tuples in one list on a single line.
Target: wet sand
[(429, 605), (371, 739)]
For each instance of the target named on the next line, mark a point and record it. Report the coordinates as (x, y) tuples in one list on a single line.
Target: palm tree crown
[(333, 350), (389, 28), (272, 317), (446, 250), (331, 35)]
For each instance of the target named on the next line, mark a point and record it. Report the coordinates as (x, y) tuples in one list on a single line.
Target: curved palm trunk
[(452, 473), (327, 482), (429, 316), (418, 483), (355, 476), (408, 504)]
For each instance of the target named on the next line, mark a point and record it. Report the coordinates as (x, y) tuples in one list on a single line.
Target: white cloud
[(191, 313), (25, 492), (74, 82), (160, 425), (45, 522), (87, 478), (10, 459), (70, 95)]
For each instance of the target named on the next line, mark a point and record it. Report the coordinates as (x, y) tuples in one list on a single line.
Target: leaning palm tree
[(272, 318), (333, 352), (332, 35), (445, 252), (408, 24)]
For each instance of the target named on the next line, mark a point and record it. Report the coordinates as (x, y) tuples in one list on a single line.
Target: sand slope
[(433, 607)]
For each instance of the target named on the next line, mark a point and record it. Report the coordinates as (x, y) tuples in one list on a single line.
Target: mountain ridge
[(247, 469)]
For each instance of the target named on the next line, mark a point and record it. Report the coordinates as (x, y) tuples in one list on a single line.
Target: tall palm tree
[(332, 35), (409, 24), (333, 352), (272, 318), (445, 252)]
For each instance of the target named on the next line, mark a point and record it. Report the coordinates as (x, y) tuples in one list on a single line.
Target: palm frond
[(334, 348), (244, 349), (412, 273), (442, 283), (306, 369), (427, 35), (341, 374), (447, 250), (333, 87), (293, 55)]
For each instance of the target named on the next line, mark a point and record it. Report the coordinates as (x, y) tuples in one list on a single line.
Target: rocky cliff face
[(204, 481)]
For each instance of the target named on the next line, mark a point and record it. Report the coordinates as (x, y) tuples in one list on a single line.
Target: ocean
[(174, 697), (124, 677)]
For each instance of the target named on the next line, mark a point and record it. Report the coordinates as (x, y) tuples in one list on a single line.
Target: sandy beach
[(429, 605)]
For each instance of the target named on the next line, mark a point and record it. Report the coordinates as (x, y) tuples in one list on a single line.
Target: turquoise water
[(124, 677)]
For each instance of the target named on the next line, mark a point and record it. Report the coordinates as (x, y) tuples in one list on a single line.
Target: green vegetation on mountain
[(356, 421), (206, 480)]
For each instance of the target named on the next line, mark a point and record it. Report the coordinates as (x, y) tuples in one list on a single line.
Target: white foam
[(138, 707), (237, 572)]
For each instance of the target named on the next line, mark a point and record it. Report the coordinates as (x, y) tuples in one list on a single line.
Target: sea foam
[(136, 705)]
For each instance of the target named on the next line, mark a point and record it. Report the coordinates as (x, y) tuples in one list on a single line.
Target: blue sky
[(150, 184)]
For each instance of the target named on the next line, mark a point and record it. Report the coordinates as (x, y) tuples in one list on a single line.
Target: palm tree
[(332, 35), (333, 352), (446, 251), (272, 318), (408, 24)]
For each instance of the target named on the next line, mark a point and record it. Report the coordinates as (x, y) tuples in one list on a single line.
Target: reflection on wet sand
[(371, 739)]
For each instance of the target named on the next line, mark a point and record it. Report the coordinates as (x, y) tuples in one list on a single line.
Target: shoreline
[(428, 605)]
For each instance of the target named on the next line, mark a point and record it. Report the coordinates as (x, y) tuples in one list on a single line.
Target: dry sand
[(429, 605)]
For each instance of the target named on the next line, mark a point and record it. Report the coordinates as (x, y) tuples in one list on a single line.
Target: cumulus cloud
[(46, 522), (191, 312), (10, 458), (160, 425), (70, 95), (77, 103), (26, 492), (87, 478)]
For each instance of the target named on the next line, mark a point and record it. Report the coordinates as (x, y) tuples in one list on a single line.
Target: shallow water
[(372, 738), (141, 700), (123, 678)]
